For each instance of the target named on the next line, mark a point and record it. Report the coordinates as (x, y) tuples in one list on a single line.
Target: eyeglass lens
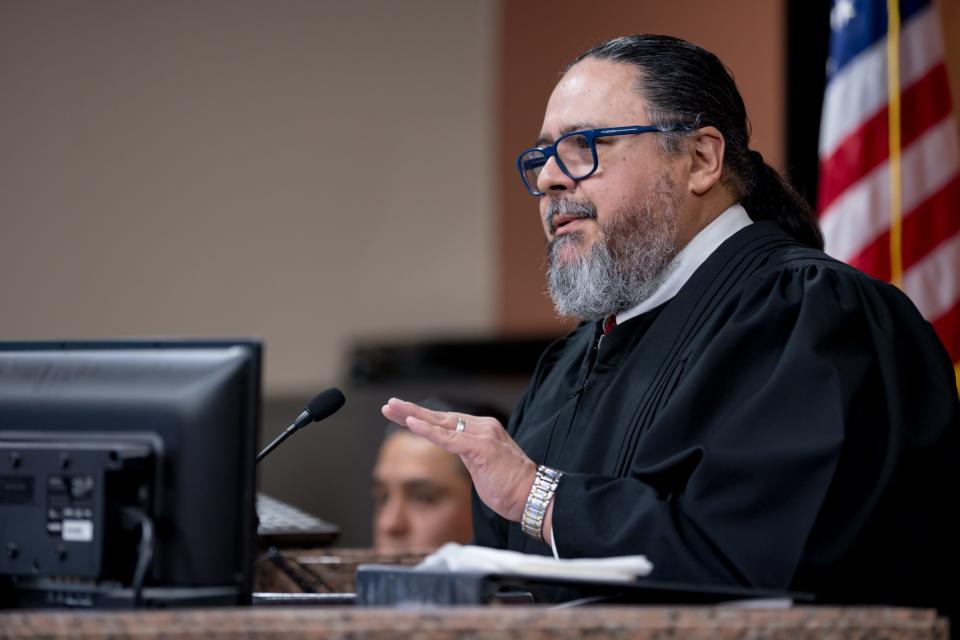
[(575, 154)]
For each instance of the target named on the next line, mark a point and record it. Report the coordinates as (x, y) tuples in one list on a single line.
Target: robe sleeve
[(786, 429), (489, 529)]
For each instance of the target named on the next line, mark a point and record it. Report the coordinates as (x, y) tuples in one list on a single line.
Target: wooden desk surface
[(538, 623)]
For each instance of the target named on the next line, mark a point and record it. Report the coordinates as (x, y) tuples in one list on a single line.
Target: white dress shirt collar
[(690, 258)]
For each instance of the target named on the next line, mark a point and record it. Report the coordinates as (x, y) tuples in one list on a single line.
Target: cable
[(144, 551)]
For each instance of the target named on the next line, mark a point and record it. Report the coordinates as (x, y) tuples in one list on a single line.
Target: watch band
[(541, 493)]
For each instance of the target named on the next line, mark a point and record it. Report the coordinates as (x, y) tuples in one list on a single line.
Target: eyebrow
[(546, 140), (422, 485), (413, 484)]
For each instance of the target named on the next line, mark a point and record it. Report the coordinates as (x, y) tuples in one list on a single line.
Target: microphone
[(324, 404)]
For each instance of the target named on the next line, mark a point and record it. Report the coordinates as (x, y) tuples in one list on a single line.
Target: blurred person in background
[(421, 493)]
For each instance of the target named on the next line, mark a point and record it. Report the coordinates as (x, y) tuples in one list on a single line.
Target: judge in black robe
[(783, 422)]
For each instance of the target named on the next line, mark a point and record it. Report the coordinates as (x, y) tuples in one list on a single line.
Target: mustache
[(570, 208)]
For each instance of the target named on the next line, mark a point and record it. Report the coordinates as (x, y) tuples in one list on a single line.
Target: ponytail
[(770, 197)]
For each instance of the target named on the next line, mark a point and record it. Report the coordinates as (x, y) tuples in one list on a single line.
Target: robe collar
[(689, 259)]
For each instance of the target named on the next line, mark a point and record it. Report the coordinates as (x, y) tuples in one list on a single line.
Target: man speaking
[(735, 405)]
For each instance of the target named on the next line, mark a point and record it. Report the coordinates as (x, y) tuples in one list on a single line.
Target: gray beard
[(625, 265)]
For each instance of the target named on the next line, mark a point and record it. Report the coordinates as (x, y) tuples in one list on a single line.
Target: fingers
[(394, 414), (439, 427), (398, 411), (449, 440)]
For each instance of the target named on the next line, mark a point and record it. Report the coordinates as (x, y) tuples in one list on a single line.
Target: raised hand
[(502, 473)]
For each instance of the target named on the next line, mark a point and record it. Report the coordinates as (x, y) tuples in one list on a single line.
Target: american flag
[(889, 191)]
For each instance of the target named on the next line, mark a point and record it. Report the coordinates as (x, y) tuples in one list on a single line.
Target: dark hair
[(684, 84)]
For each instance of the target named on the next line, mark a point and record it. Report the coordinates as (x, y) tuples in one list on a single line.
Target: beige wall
[(307, 171)]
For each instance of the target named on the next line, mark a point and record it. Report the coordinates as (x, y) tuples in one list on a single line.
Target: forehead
[(593, 92), (405, 456)]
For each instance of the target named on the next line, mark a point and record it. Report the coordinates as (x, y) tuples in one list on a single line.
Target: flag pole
[(893, 129)]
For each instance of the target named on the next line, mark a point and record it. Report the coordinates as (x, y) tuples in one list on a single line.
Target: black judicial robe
[(785, 421)]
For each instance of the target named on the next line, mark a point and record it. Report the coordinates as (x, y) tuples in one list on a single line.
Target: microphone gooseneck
[(324, 404)]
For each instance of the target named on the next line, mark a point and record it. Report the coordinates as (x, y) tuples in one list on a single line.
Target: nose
[(551, 178), (392, 519)]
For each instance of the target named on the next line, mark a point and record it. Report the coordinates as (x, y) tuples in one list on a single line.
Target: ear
[(706, 148)]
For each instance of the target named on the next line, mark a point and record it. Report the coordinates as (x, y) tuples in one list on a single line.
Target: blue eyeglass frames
[(576, 153)]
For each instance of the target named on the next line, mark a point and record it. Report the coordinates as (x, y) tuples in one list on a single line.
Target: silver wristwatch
[(541, 493)]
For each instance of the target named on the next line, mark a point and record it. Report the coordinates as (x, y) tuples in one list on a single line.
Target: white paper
[(456, 557)]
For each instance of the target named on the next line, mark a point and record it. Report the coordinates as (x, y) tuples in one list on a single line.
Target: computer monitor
[(127, 474)]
